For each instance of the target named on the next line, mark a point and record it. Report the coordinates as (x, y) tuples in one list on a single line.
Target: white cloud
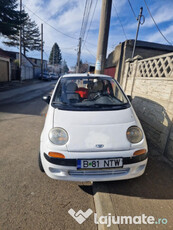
[(157, 37), (66, 16), (163, 14)]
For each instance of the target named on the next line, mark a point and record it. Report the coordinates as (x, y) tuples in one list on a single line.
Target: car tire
[(40, 163)]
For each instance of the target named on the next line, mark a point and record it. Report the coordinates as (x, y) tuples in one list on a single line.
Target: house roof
[(150, 45), (36, 58), (7, 54), (12, 55)]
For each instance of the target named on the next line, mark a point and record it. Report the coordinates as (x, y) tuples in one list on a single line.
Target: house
[(37, 66), (27, 68), (115, 62), (5, 67)]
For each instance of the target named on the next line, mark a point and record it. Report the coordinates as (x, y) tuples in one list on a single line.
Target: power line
[(83, 18), (54, 27), (120, 21), (36, 10), (157, 25), (87, 9), (88, 5), (63, 48), (91, 21), (87, 18), (132, 9), (46, 54), (51, 25), (89, 51)]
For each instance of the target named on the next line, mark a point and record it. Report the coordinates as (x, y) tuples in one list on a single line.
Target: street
[(29, 199), (110, 118)]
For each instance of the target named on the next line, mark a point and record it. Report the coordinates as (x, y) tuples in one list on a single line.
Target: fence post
[(135, 66), (127, 65)]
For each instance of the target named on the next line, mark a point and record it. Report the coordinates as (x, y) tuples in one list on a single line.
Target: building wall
[(4, 69), (27, 70), (37, 62), (113, 57), (113, 60), (124, 51), (150, 83), (37, 71), (110, 71)]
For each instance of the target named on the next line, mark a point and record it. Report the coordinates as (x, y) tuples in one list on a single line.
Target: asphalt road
[(29, 199)]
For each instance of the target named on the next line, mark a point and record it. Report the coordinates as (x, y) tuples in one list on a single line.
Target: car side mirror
[(46, 99), (129, 97)]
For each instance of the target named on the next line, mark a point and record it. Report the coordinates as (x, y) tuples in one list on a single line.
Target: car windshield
[(89, 93)]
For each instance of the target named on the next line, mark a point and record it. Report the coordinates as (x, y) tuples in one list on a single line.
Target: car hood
[(96, 130)]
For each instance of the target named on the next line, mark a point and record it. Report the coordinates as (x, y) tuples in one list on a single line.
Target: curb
[(103, 204)]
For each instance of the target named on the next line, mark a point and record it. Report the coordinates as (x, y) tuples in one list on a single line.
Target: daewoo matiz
[(91, 132)]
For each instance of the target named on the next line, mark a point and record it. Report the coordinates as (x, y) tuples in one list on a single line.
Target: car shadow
[(155, 183), (156, 123)]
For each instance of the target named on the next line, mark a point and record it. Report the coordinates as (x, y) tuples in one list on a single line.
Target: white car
[(91, 132)]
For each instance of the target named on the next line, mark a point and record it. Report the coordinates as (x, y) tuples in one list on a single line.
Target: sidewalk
[(150, 194)]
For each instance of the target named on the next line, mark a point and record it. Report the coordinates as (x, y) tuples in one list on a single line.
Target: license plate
[(100, 163)]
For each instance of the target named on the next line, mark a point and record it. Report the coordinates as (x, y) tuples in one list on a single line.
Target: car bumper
[(66, 169)]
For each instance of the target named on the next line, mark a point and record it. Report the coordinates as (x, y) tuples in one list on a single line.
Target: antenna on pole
[(139, 23)]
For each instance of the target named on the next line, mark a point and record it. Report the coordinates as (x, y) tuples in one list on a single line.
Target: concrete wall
[(113, 57), (153, 98), (124, 51), (4, 69)]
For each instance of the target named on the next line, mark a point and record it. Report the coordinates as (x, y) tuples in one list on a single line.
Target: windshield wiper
[(109, 105), (63, 104)]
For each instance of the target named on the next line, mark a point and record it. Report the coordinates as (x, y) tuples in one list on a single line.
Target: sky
[(62, 21)]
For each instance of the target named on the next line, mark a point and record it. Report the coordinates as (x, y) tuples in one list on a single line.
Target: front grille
[(99, 172)]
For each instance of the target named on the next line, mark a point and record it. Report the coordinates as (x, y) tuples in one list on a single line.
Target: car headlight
[(58, 136), (134, 134)]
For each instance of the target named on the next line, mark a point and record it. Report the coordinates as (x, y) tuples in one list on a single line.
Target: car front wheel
[(40, 163)]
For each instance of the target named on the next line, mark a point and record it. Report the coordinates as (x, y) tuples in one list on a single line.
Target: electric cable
[(156, 24), (120, 21)]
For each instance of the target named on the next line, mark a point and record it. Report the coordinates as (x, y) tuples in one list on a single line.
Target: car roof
[(85, 75)]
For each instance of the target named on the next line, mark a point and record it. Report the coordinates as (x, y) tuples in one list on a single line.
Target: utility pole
[(139, 23), (42, 50), (53, 58), (78, 56), (20, 44), (103, 36)]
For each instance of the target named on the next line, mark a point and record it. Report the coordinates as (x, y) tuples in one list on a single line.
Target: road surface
[(29, 199)]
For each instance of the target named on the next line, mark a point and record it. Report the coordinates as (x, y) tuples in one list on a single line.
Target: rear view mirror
[(129, 97), (46, 99)]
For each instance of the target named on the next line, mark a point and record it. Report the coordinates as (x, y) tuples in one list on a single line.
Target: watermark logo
[(109, 220), (80, 216)]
